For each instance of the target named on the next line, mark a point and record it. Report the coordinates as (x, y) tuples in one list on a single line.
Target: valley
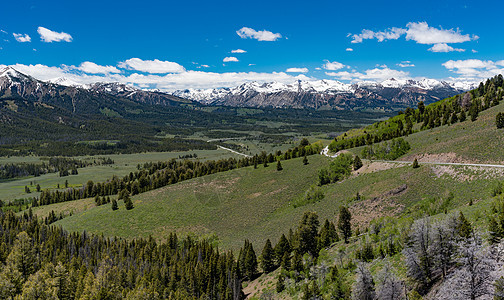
[(249, 175)]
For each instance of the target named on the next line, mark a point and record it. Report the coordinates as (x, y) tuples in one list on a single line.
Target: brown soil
[(366, 210)]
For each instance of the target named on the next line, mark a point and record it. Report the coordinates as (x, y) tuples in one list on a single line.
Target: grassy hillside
[(477, 142), (257, 204)]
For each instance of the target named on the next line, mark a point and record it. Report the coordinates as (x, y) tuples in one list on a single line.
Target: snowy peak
[(67, 82), (329, 93), (12, 75)]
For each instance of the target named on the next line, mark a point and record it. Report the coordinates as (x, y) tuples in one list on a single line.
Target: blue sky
[(182, 44)]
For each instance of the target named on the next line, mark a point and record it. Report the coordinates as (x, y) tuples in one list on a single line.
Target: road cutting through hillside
[(325, 152)]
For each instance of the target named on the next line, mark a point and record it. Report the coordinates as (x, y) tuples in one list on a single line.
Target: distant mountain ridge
[(391, 94), (329, 94)]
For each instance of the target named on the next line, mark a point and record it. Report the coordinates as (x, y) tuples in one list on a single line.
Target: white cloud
[(166, 82), (262, 35), (474, 51), (442, 47), (390, 34), (317, 68), (252, 65), (205, 66), (3, 31), (91, 67), (405, 64), (333, 66), (349, 49), (422, 33), (230, 58), (475, 69), (22, 38), (50, 36), (238, 51), (376, 74), (151, 66), (297, 70)]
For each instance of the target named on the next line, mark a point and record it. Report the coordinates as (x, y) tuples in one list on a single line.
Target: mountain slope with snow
[(329, 94)]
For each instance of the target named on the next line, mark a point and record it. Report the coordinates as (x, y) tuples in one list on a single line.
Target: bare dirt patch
[(371, 167), (467, 173), (449, 157), (366, 210)]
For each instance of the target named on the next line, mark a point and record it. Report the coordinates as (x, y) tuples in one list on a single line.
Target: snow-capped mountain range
[(318, 94), (328, 93)]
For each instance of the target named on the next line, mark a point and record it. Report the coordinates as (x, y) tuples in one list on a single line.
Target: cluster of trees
[(158, 174), (449, 111), (53, 165), (387, 150), (42, 262), (448, 253), (339, 168)]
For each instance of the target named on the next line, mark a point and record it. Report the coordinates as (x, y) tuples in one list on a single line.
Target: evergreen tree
[(462, 115), (267, 256), (307, 234), (328, 235), (305, 160), (114, 205), (494, 230), (128, 204), (279, 166), (38, 188), (454, 118), (280, 286), (27, 189), (282, 247), (499, 120), (357, 163), (464, 228), (344, 223), (416, 164)]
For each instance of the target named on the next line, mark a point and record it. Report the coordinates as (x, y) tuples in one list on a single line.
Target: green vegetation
[(386, 150)]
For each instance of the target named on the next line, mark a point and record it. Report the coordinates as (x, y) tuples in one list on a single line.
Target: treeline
[(125, 146), (62, 165), (45, 262), (448, 111), (158, 174)]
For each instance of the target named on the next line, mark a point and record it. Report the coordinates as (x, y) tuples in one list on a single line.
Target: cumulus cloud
[(22, 38), (333, 66), (155, 66), (262, 35), (444, 48), (405, 64), (376, 74), (349, 49), (49, 36), (92, 68), (390, 34), (230, 58), (421, 33), (3, 31), (238, 51), (165, 82), (475, 69), (297, 70)]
